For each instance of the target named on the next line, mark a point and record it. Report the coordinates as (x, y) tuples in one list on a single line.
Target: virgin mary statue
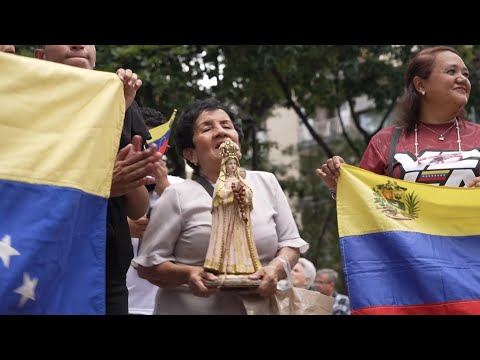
[(232, 249)]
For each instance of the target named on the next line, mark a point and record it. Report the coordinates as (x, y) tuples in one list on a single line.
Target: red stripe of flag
[(465, 307)]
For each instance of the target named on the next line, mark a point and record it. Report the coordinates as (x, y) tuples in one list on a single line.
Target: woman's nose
[(220, 131), (463, 78)]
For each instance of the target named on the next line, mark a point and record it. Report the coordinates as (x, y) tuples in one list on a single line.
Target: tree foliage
[(306, 78), (256, 78)]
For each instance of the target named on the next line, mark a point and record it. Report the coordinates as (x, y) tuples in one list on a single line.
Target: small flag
[(161, 134)]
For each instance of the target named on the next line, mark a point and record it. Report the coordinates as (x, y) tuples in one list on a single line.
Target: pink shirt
[(439, 162)]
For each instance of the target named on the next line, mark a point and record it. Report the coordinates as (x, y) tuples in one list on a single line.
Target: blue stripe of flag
[(408, 268), (60, 234)]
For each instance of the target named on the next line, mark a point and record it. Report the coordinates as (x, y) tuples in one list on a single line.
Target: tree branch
[(356, 120), (288, 94), (389, 110), (326, 222), (345, 134)]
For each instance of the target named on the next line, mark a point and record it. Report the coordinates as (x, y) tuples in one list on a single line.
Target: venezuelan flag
[(59, 133), (161, 134), (408, 248)]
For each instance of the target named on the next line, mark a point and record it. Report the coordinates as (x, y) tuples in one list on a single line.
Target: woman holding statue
[(177, 239)]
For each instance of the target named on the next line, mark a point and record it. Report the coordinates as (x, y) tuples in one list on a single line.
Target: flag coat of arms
[(408, 248), (59, 133)]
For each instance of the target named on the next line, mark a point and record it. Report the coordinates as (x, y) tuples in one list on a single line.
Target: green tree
[(170, 76), (306, 78), (257, 78)]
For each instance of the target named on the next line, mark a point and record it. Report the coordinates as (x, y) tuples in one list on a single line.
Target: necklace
[(459, 141), (440, 136)]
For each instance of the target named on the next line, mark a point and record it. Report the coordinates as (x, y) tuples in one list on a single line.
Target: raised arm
[(131, 84)]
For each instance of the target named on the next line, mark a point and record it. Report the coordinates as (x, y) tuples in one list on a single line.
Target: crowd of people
[(168, 237)]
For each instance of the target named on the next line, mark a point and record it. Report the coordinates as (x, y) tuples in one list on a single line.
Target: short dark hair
[(183, 127), (421, 65), (152, 117)]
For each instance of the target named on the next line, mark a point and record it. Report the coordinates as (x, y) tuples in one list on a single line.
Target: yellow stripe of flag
[(370, 203), (161, 130), (435, 172), (59, 125)]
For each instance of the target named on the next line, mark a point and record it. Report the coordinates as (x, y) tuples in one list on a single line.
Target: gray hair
[(332, 274), (309, 270)]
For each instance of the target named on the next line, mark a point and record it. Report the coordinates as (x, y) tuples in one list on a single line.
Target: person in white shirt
[(175, 242), (141, 293)]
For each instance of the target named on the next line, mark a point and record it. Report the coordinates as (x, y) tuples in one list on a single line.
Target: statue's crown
[(229, 149)]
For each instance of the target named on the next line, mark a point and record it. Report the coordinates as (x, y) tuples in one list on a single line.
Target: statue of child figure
[(232, 251)]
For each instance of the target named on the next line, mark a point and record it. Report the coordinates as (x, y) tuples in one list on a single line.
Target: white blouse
[(179, 231)]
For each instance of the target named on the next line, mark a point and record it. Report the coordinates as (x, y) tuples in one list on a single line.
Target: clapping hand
[(132, 165)]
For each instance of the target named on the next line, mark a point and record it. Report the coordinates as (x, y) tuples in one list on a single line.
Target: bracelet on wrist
[(285, 264), (283, 259), (333, 195)]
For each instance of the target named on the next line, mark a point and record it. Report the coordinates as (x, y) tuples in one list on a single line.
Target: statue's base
[(233, 282)]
